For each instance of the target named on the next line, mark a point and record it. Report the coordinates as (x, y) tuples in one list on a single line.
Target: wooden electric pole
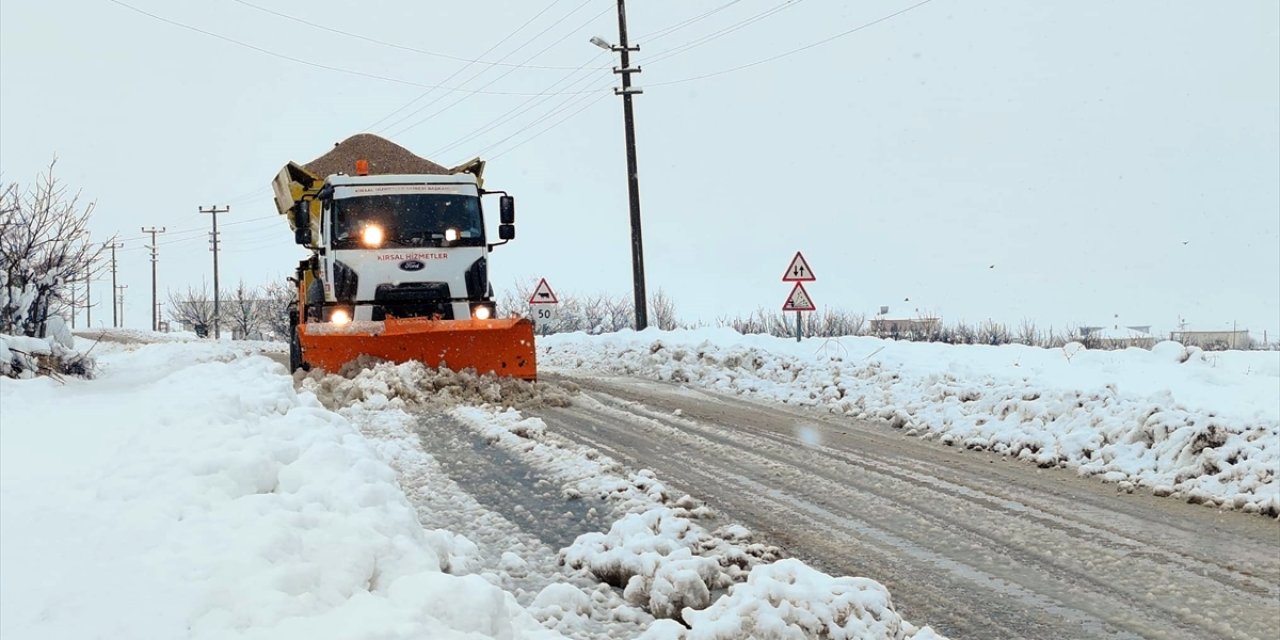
[(154, 258), (88, 295), (115, 318), (217, 316), (120, 300), (624, 48)]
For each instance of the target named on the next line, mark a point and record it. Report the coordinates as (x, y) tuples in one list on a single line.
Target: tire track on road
[(1007, 550)]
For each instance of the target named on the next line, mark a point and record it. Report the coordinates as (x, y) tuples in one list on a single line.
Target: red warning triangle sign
[(543, 294), (799, 300), (798, 270)]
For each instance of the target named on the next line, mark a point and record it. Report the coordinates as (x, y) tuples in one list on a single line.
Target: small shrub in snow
[(25, 357)]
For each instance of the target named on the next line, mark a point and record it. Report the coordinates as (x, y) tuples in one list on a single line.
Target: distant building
[(1213, 340), (905, 326), (1088, 331), (1117, 337)]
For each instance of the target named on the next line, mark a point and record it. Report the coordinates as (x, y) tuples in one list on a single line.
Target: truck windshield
[(408, 220)]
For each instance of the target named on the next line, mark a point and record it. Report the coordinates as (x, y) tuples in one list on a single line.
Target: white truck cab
[(403, 246)]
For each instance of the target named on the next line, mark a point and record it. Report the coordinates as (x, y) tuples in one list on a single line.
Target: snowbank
[(191, 492), (656, 551), (1203, 426), (789, 599)]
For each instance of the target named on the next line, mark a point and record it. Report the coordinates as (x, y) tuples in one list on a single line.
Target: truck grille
[(412, 300)]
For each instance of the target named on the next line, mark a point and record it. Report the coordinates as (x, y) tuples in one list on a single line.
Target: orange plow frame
[(504, 347)]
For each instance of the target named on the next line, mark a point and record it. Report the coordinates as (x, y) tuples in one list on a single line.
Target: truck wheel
[(295, 352)]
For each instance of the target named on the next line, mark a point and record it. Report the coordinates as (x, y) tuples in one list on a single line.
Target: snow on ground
[(191, 492), (656, 551), (378, 402), (790, 599), (1181, 421), (23, 357)]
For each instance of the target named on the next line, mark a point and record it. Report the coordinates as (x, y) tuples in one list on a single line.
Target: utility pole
[(217, 316), (115, 318), (120, 299), (88, 296), (73, 303), (633, 181), (154, 257)]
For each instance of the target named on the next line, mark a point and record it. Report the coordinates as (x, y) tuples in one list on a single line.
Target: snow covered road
[(974, 545)]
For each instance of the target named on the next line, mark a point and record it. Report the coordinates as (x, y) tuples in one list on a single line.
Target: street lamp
[(633, 182)]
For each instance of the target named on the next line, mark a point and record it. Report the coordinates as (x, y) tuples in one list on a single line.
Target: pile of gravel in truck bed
[(384, 157)]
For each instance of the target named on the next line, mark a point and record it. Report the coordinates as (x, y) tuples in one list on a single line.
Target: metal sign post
[(544, 305), (798, 271)]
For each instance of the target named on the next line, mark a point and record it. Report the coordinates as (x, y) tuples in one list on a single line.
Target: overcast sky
[(1065, 162)]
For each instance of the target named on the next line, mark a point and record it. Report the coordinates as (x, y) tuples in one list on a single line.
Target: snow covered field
[(194, 490), (1202, 426), (191, 490)]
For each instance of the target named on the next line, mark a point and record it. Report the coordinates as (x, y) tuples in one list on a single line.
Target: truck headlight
[(451, 235), (340, 316), (371, 236), (482, 311)]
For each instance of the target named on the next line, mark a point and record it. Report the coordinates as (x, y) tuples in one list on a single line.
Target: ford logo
[(412, 265)]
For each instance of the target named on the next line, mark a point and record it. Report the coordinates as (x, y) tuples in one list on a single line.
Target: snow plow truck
[(399, 262)]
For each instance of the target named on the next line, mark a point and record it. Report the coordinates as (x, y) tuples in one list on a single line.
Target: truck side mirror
[(506, 231), (301, 224), (507, 209)]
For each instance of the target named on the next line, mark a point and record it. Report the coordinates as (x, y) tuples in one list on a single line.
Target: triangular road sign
[(543, 294), (799, 300), (798, 270)]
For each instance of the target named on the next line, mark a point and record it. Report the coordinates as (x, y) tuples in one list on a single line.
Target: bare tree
[(515, 301), (276, 296), (44, 246), (193, 307), (620, 313), (244, 312), (662, 311)]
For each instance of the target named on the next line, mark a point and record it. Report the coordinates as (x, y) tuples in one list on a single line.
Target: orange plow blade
[(503, 347)]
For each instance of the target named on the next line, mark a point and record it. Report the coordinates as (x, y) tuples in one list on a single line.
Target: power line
[(536, 101), (796, 50), (200, 230), (522, 108), (434, 54), (554, 125), (549, 91), (468, 65), (555, 111), (715, 35), (668, 30), (250, 196), (308, 62), (455, 103)]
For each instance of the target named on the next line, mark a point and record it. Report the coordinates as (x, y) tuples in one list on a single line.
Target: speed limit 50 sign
[(544, 304)]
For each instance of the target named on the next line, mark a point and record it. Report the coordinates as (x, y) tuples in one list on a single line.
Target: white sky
[(1107, 158)]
